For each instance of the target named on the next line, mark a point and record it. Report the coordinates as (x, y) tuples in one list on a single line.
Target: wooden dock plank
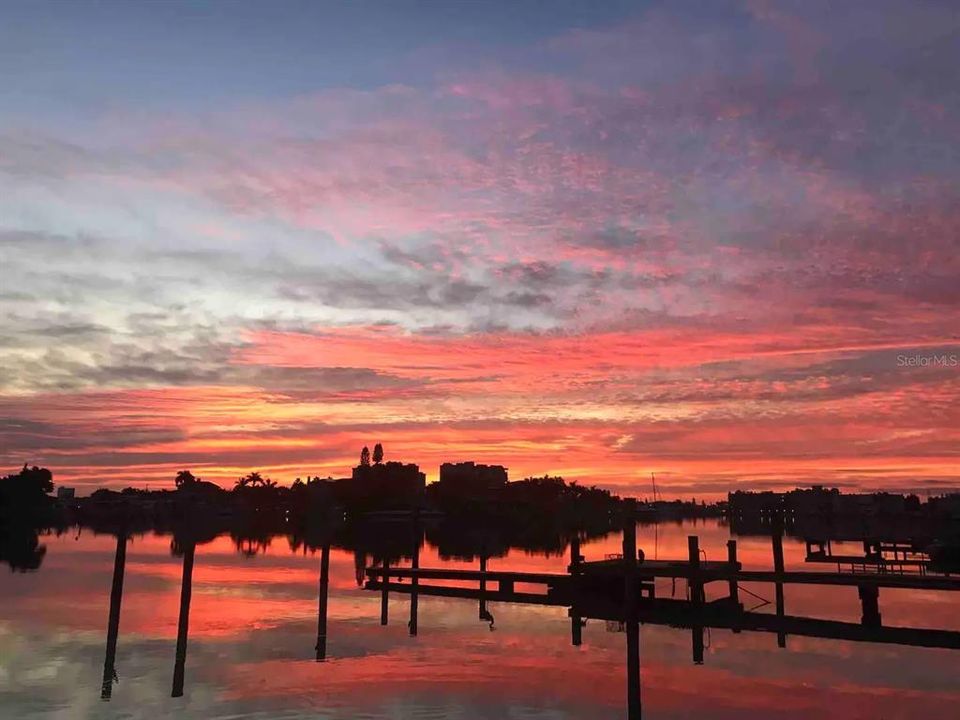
[(719, 571), (721, 614)]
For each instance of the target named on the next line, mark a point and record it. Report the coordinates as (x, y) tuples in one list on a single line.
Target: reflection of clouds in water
[(251, 651)]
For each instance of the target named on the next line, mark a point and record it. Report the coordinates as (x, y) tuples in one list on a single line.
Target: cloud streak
[(681, 241)]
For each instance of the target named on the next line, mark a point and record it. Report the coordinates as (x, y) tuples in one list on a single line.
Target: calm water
[(253, 624)]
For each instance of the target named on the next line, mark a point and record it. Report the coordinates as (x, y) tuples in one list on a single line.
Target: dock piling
[(630, 556), (575, 557), (630, 609), (732, 583), (870, 602), (415, 581), (321, 647), (384, 593), (482, 614), (777, 539), (113, 625), (696, 596), (183, 624)]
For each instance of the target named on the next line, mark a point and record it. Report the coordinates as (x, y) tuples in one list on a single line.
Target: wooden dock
[(614, 589), (622, 590), (719, 614), (877, 557)]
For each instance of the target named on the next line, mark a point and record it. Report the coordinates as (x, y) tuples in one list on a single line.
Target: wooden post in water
[(693, 554), (696, 597), (733, 586), (186, 586), (576, 628), (777, 539), (482, 610), (113, 624), (634, 708), (322, 609), (870, 602), (630, 609), (415, 581), (732, 559), (630, 554), (576, 621), (384, 593), (575, 557)]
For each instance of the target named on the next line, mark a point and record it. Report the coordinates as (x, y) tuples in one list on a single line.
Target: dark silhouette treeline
[(471, 512), (355, 514), (821, 514)]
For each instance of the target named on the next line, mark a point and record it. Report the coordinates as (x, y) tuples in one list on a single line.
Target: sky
[(716, 242)]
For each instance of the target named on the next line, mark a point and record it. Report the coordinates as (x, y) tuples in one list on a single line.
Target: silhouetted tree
[(378, 453), (28, 487), (185, 478), (365, 456), (254, 481)]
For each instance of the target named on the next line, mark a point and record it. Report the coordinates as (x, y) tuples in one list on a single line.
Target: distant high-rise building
[(391, 484), (471, 479)]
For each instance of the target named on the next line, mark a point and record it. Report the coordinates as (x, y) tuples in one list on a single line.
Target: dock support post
[(732, 559), (630, 554), (322, 603), (186, 589), (733, 585), (696, 585), (696, 597), (483, 588), (630, 609), (870, 602), (415, 581), (113, 625), (576, 621), (634, 711), (777, 539), (384, 593)]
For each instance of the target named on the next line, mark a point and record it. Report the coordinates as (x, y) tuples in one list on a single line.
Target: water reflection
[(183, 622), (20, 546), (251, 621), (622, 590), (113, 625), (322, 603)]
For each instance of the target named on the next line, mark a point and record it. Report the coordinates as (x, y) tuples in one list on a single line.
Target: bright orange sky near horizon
[(715, 244)]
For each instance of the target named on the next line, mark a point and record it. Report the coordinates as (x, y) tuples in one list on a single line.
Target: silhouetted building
[(469, 479), (816, 501), (66, 493), (754, 503), (382, 485)]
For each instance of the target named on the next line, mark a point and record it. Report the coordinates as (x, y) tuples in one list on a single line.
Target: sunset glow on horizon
[(718, 243)]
